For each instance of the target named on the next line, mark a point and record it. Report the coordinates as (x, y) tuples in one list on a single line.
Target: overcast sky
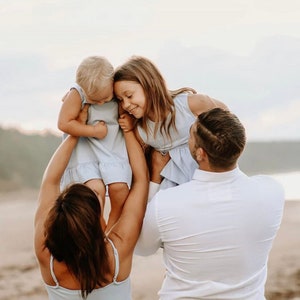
[(243, 52)]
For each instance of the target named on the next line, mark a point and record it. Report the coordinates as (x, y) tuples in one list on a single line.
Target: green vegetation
[(24, 157)]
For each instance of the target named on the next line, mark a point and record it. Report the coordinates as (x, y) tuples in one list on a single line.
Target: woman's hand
[(126, 122)]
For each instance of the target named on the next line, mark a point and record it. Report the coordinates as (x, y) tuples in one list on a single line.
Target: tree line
[(23, 157)]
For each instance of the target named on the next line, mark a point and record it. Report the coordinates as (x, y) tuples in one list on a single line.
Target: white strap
[(52, 271), (116, 255)]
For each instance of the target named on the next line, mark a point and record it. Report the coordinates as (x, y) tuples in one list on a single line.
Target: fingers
[(85, 107), (83, 115)]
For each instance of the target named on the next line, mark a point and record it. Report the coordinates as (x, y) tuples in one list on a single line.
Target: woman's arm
[(67, 119), (200, 103), (126, 231), (50, 186)]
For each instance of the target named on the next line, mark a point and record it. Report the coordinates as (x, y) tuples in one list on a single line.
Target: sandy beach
[(20, 278)]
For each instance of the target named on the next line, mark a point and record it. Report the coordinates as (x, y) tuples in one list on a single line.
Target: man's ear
[(199, 154)]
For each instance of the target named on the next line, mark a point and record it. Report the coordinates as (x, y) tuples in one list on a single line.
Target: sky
[(243, 52)]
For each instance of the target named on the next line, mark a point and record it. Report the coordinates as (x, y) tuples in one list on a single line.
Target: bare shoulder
[(70, 109), (200, 103), (72, 96)]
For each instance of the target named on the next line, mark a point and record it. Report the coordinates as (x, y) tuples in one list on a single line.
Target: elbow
[(62, 126)]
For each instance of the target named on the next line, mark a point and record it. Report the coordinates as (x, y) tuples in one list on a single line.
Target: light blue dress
[(181, 166), (94, 158)]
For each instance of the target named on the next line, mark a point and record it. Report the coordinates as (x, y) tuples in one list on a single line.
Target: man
[(216, 230)]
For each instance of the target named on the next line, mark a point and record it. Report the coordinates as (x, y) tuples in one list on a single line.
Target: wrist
[(153, 189), (156, 178)]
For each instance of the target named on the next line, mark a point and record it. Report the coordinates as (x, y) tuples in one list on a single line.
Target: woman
[(77, 260)]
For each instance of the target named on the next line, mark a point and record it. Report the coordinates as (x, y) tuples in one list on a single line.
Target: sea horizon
[(290, 182)]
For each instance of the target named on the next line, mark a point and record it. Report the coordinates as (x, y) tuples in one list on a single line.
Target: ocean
[(291, 184)]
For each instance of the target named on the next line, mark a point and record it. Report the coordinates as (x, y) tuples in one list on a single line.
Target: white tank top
[(114, 291)]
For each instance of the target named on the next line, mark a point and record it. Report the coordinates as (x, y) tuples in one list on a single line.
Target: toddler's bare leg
[(99, 188), (118, 193)]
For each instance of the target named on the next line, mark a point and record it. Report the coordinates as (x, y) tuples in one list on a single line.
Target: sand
[(20, 278)]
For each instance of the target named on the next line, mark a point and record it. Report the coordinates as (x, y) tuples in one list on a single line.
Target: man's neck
[(208, 168)]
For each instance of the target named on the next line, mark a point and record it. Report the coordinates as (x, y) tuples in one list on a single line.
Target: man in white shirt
[(216, 230)]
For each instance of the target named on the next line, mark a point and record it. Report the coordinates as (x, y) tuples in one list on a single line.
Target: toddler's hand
[(126, 122), (100, 130)]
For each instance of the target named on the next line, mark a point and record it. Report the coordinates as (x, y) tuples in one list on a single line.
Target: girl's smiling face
[(132, 97)]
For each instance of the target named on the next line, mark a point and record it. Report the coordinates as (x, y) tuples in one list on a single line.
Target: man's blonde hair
[(94, 73)]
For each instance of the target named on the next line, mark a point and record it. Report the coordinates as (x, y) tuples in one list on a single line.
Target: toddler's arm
[(68, 123)]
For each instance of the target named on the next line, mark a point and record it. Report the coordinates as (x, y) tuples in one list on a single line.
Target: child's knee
[(118, 193), (118, 187)]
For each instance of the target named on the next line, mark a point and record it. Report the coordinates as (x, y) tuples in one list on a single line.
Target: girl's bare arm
[(200, 103)]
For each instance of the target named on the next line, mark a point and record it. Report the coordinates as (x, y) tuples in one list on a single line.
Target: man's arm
[(149, 240)]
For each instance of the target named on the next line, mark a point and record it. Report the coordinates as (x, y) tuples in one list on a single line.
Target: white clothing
[(216, 232), (114, 291)]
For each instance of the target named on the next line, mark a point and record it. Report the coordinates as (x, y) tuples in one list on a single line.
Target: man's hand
[(158, 162)]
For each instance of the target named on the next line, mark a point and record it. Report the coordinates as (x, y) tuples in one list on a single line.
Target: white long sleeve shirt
[(216, 232)]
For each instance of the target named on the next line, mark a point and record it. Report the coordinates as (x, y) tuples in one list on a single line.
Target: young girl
[(100, 157), (163, 117)]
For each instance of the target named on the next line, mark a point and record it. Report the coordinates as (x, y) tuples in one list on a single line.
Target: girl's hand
[(126, 122), (100, 130)]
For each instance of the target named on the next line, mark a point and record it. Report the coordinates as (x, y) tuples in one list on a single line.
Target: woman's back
[(114, 290), (68, 226)]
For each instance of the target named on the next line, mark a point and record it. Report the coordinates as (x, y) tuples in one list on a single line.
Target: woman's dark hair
[(74, 236)]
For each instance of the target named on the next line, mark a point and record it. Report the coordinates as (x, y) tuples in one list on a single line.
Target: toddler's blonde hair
[(94, 73)]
